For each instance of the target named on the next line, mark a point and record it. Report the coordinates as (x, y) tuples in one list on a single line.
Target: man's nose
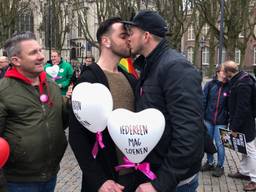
[(41, 55)]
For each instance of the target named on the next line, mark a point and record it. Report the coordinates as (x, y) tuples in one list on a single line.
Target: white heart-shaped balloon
[(53, 71), (92, 103), (136, 134)]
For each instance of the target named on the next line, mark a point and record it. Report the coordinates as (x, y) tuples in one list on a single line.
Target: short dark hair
[(105, 27), (218, 68), (93, 59), (12, 45)]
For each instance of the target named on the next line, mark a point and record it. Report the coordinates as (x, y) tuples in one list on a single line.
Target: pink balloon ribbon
[(56, 78), (143, 167), (98, 142)]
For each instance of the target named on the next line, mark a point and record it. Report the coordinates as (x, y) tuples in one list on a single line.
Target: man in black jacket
[(242, 120), (99, 173), (172, 85)]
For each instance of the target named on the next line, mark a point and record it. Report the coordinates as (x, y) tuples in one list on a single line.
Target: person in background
[(216, 116), (99, 173), (32, 118), (65, 72), (77, 72), (241, 120), (88, 61), (4, 63), (171, 84)]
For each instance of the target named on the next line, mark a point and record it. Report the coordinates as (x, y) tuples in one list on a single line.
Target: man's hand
[(234, 134), (146, 187), (69, 91), (111, 186)]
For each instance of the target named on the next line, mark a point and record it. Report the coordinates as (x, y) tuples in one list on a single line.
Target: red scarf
[(12, 72)]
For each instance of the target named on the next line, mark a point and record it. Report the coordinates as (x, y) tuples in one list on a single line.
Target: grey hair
[(12, 45)]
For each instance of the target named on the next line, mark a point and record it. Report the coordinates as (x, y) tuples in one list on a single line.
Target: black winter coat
[(216, 102), (172, 85), (240, 105)]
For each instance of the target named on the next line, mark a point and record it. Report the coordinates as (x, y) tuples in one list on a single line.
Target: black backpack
[(253, 92)]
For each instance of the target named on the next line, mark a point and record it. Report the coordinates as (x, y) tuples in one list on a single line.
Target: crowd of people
[(34, 111), (229, 103)]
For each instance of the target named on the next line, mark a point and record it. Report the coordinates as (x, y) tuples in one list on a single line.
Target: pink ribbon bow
[(98, 142), (143, 167)]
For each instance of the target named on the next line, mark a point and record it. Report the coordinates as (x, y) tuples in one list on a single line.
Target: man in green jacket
[(32, 115), (60, 71)]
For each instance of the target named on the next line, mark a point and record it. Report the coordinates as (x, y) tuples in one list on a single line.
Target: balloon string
[(143, 167), (98, 142)]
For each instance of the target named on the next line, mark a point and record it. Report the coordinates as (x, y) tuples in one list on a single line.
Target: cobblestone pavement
[(223, 183), (69, 177)]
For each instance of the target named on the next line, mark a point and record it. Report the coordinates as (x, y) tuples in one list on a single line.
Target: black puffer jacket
[(240, 105), (172, 85)]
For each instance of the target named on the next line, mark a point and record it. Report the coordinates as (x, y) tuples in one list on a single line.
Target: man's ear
[(106, 42), (15, 61), (147, 36)]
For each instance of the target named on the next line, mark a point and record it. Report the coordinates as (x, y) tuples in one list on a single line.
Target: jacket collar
[(163, 45), (236, 77), (12, 72), (151, 58)]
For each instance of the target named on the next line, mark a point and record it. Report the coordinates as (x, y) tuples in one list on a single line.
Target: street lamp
[(202, 45), (49, 29), (221, 31), (82, 50)]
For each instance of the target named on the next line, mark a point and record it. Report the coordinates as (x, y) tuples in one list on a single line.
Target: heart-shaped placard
[(92, 103), (4, 151), (53, 71), (136, 134)]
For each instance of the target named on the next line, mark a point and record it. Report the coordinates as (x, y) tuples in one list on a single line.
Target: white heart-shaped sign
[(53, 71), (92, 103), (136, 134)]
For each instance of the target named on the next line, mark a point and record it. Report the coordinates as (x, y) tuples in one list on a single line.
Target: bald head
[(230, 68), (3, 62)]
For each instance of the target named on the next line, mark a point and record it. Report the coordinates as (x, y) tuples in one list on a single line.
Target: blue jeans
[(47, 186), (189, 187), (213, 131)]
